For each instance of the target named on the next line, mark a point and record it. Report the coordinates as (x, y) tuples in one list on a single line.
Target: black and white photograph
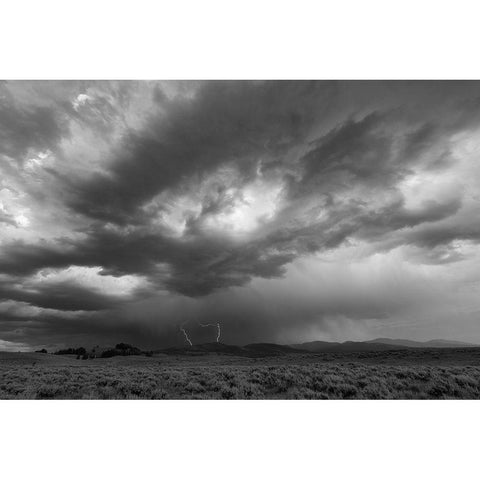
[(239, 240)]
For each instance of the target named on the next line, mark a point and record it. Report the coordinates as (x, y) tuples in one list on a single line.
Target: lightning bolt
[(217, 325), (186, 335)]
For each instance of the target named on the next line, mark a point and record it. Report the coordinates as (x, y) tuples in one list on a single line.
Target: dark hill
[(251, 350), (203, 349), (270, 349), (255, 350)]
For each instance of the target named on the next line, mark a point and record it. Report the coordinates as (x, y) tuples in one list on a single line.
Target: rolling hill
[(250, 350), (273, 349)]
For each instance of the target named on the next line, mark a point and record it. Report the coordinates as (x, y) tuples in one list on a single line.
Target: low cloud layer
[(286, 211)]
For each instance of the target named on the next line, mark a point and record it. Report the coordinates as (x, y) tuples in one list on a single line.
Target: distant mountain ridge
[(378, 344), (437, 343), (272, 349), (258, 350), (321, 346)]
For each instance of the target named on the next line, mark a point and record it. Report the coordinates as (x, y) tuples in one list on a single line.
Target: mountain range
[(378, 344), (272, 349)]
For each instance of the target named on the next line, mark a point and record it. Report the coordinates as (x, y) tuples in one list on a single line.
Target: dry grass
[(155, 379)]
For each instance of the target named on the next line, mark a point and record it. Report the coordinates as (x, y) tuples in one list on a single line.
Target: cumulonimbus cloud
[(197, 187)]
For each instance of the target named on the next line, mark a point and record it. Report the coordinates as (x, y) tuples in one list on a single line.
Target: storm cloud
[(281, 209)]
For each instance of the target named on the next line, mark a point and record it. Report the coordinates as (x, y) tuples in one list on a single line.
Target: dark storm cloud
[(223, 122), (22, 259), (53, 331), (396, 216), (369, 151), (358, 149), (202, 186), (435, 235), (196, 267), (23, 128), (65, 296)]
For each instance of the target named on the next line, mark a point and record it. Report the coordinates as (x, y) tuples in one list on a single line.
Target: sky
[(283, 211)]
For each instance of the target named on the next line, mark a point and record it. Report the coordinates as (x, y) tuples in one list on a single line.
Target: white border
[(239, 439), (191, 39), (55, 39)]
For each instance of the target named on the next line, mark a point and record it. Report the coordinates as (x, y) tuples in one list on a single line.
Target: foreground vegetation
[(221, 377)]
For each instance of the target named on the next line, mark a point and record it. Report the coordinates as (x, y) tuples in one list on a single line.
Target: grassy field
[(404, 374)]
